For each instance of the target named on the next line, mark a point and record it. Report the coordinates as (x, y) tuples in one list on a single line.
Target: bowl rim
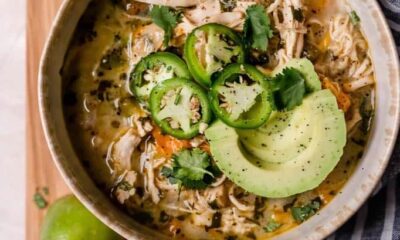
[(77, 191)]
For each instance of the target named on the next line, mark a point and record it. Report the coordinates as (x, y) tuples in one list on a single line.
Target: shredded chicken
[(234, 223), (217, 194), (203, 11), (122, 150), (145, 40), (142, 125), (291, 31), (147, 166), (354, 85), (150, 185), (125, 187), (241, 206), (241, 6), (197, 141), (210, 11), (172, 3), (350, 51), (203, 218), (348, 63)]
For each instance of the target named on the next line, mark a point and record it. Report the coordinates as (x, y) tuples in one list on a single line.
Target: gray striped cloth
[(379, 218)]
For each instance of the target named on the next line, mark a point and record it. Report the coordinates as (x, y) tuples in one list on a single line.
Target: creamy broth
[(124, 151)]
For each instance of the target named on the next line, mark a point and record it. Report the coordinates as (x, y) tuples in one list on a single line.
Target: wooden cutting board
[(41, 172)]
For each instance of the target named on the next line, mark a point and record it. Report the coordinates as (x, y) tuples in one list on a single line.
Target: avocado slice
[(293, 153), (305, 67)]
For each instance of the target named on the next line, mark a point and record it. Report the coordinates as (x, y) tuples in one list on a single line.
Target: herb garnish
[(300, 214), (228, 5), (257, 28), (272, 226), (367, 114), (39, 200), (289, 87), (355, 19), (191, 169), (167, 19)]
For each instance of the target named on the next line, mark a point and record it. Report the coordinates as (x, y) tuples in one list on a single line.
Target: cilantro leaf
[(272, 226), (194, 184), (191, 169), (40, 200), (191, 164), (169, 174), (257, 28), (290, 89), (355, 19), (300, 214), (165, 18)]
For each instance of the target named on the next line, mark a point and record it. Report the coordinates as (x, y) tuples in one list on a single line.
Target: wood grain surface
[(41, 171)]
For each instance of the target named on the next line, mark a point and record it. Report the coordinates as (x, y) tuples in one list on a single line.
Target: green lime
[(68, 219)]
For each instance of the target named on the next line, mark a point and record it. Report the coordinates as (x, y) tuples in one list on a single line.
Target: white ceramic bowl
[(344, 205)]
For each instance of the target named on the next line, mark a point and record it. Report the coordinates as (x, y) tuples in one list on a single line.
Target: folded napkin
[(379, 218)]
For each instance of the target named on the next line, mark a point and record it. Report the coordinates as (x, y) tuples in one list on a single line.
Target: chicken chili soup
[(219, 119)]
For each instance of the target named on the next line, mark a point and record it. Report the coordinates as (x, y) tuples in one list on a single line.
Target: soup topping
[(209, 48), (180, 108), (154, 69), (241, 97), (217, 119)]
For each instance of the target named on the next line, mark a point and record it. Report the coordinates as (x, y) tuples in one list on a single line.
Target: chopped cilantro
[(355, 19), (192, 164), (125, 186), (228, 5), (191, 169), (289, 87), (257, 28), (165, 18), (272, 226), (39, 200), (300, 214), (169, 173)]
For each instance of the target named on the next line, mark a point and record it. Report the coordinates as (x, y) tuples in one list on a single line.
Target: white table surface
[(12, 119)]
